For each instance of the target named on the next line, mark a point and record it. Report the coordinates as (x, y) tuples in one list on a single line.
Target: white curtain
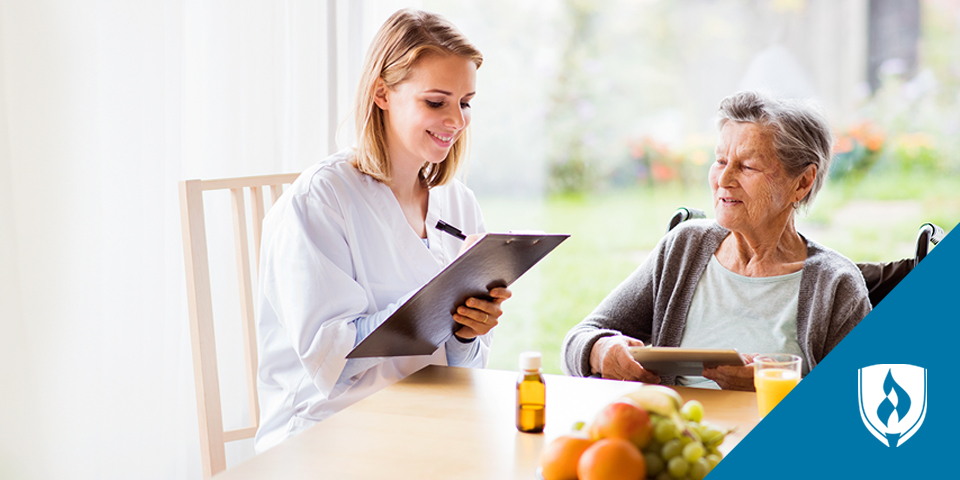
[(104, 107)]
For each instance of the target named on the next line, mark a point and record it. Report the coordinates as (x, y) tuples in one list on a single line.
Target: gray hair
[(800, 132)]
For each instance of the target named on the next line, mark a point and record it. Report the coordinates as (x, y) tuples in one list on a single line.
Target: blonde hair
[(402, 40)]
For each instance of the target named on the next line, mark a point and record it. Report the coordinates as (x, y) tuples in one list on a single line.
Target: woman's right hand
[(611, 359), (469, 241)]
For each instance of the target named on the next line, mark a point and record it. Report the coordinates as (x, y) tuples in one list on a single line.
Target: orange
[(612, 459), (560, 457)]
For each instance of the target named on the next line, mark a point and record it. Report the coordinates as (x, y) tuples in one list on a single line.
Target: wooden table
[(449, 422)]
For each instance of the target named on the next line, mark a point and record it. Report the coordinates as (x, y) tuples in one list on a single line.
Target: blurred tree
[(573, 103), (894, 27)]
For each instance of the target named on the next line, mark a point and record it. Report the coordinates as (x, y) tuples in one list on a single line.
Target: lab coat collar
[(430, 261)]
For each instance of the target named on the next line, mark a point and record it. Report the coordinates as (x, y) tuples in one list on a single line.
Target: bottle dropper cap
[(530, 361)]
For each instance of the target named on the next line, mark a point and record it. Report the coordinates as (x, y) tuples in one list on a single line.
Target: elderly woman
[(748, 280)]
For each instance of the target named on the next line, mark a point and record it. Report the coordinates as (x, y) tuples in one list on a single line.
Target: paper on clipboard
[(683, 361), (425, 321)]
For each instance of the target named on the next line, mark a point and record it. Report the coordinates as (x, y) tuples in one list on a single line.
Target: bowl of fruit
[(650, 433)]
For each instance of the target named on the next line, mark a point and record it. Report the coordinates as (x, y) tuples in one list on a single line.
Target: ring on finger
[(486, 316)]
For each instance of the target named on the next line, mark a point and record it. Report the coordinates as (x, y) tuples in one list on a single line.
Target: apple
[(625, 421)]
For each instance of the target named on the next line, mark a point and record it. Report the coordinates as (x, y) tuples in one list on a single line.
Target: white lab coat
[(336, 246)]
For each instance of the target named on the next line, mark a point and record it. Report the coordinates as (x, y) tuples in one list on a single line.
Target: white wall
[(104, 107)]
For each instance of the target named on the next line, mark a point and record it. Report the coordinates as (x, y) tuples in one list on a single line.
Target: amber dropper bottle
[(531, 394)]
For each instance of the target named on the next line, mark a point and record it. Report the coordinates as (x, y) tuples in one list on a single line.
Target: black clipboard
[(425, 321), (683, 361)]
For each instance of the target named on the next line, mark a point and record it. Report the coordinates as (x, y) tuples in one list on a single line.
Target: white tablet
[(683, 361)]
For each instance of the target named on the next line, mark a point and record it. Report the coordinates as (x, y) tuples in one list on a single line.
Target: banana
[(659, 400)]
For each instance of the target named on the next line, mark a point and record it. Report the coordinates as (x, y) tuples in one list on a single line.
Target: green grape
[(686, 440), (714, 451), (711, 437), (699, 469), (671, 449), (694, 429), (677, 467), (692, 410), (693, 451), (666, 431), (654, 463), (713, 459)]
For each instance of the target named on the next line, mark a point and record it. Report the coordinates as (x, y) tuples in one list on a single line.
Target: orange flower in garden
[(844, 144), (915, 146), (857, 130), (659, 147), (869, 135), (916, 140), (662, 172), (874, 142), (647, 145)]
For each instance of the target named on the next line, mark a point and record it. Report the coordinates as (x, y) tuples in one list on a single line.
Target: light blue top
[(751, 314)]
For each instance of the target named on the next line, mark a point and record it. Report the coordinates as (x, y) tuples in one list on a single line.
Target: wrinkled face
[(751, 190), (427, 112)]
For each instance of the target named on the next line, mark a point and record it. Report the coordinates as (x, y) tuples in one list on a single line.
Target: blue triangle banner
[(843, 420)]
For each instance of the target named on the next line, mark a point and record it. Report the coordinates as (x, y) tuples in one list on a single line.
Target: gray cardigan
[(652, 303)]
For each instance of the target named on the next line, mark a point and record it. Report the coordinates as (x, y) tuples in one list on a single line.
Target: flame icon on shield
[(893, 401)]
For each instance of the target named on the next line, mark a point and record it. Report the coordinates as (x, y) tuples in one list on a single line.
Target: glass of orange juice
[(774, 376)]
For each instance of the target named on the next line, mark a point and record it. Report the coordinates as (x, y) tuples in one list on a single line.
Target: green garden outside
[(596, 118)]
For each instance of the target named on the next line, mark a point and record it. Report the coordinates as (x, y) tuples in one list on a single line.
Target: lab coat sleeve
[(364, 327), (308, 279), (473, 354)]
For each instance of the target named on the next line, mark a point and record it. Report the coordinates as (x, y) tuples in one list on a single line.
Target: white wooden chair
[(212, 436)]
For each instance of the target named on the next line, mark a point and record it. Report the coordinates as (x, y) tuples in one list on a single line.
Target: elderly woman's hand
[(479, 316), (730, 377), (610, 358)]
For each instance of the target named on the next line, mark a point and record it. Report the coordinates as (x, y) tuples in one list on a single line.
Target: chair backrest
[(200, 304), (880, 277)]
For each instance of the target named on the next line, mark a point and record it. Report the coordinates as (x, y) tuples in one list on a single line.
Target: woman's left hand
[(479, 316), (731, 377)]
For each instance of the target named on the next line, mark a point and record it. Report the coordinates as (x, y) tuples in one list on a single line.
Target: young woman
[(354, 236)]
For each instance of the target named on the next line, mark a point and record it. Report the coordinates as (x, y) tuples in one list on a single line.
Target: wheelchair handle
[(682, 215), (929, 233)]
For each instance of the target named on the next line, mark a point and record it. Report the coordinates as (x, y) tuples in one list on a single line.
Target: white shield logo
[(893, 401)]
